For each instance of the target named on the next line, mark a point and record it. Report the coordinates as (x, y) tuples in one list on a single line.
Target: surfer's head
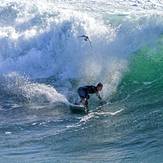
[(99, 86)]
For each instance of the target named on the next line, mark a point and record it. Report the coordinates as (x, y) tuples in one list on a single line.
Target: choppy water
[(43, 62)]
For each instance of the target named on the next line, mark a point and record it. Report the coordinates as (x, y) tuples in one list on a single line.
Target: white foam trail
[(110, 113), (20, 85)]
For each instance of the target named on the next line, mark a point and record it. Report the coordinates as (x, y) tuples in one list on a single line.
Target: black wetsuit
[(86, 90)]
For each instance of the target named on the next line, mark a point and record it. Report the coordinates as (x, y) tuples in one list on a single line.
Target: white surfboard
[(77, 107)]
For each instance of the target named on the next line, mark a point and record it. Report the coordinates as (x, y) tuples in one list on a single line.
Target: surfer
[(84, 92)]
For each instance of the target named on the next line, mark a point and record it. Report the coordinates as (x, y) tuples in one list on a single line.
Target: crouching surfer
[(84, 92)]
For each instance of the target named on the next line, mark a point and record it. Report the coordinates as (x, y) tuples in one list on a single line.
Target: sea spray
[(17, 85)]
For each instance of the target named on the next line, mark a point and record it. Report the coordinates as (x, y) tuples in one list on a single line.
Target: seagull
[(87, 38)]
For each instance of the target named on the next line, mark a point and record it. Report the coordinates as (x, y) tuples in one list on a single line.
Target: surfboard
[(77, 108)]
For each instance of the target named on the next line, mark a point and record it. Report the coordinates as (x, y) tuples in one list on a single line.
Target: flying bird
[(87, 38)]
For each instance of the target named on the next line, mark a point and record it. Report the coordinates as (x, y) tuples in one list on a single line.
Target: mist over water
[(43, 62)]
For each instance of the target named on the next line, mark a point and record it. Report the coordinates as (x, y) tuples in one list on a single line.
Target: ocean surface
[(43, 62)]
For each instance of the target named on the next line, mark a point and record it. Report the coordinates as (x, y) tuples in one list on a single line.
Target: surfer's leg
[(83, 103), (82, 94)]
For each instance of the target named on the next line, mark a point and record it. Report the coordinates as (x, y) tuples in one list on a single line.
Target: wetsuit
[(86, 90)]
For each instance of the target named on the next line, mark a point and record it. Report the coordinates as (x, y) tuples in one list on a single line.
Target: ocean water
[(43, 62)]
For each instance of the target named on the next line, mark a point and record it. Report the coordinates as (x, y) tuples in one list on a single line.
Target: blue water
[(43, 62)]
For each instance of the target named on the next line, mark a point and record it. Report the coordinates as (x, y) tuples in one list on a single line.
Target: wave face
[(43, 62)]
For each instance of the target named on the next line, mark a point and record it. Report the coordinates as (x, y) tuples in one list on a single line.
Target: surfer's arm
[(98, 95)]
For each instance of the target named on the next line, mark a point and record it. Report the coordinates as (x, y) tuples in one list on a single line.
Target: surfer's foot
[(79, 103), (83, 104)]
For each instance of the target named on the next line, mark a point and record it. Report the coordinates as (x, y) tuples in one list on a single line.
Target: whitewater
[(43, 62)]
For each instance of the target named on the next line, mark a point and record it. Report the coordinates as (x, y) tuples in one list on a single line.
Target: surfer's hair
[(99, 85)]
